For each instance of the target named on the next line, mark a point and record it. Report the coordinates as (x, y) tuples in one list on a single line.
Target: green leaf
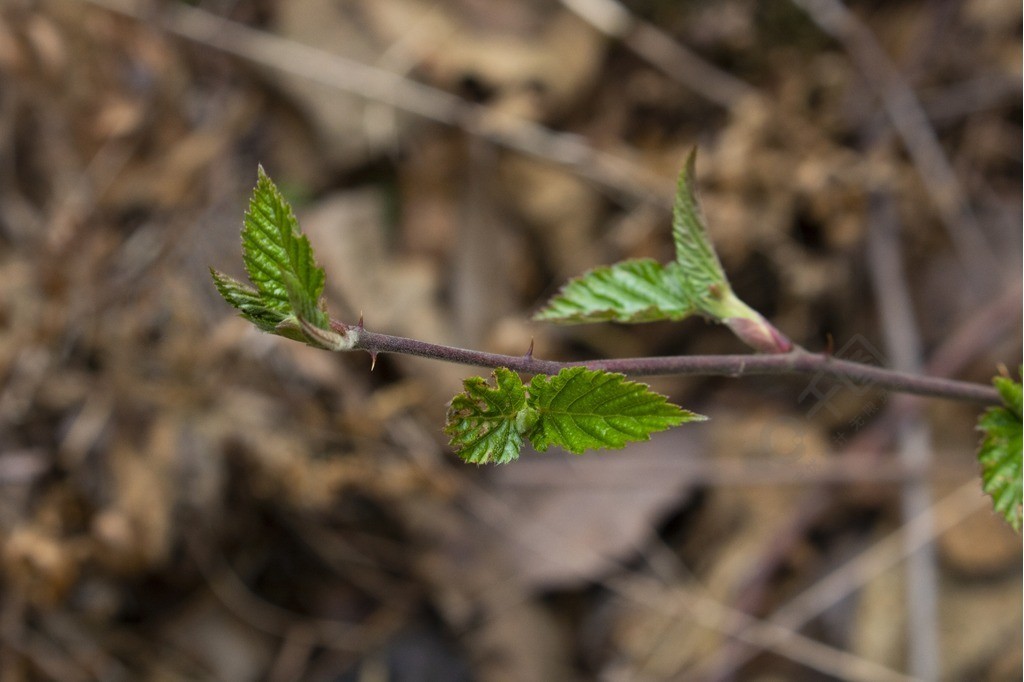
[(248, 301), (1000, 452), (581, 409), (278, 257), (578, 409), (1010, 392), (487, 424), (631, 291), (703, 276), (645, 291), (288, 283)]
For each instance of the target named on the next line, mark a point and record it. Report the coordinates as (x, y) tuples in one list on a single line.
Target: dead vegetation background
[(185, 499)]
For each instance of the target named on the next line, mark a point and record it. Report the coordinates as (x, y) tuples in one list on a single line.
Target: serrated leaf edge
[(999, 453), (673, 415), (632, 289), (287, 284), (694, 251), (526, 423)]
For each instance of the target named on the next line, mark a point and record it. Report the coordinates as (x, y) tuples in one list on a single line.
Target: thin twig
[(481, 504), (947, 513), (615, 173), (903, 346), (986, 327), (737, 472), (712, 614), (660, 50), (983, 329), (911, 123), (767, 634), (795, 362)]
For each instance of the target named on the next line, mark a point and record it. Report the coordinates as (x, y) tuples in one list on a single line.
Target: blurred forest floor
[(184, 498)]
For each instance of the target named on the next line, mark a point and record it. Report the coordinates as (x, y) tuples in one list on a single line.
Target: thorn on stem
[(529, 351), (373, 359), (359, 325)]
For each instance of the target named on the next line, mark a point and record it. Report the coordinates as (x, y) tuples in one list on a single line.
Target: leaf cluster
[(643, 290), (1000, 451), (287, 283), (577, 409)]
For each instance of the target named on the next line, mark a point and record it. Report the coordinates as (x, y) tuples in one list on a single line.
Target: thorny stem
[(797, 361)]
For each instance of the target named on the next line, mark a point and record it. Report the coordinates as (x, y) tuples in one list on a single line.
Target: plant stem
[(797, 361)]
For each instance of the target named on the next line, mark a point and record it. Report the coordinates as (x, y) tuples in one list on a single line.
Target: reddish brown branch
[(798, 361)]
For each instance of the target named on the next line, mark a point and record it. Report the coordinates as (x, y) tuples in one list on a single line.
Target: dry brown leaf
[(576, 518)]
